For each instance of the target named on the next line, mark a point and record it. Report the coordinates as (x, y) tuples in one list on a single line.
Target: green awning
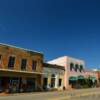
[(73, 78), (80, 77), (92, 78)]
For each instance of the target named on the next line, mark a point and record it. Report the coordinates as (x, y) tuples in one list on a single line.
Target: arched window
[(76, 67), (52, 80), (81, 68), (71, 66), (53, 75)]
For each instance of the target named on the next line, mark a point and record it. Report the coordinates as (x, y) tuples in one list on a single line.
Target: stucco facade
[(54, 72), (66, 61), (91, 73)]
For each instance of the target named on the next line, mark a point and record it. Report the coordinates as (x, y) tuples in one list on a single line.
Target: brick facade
[(19, 53)]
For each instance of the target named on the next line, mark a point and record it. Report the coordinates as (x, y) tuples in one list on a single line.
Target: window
[(76, 67), (34, 65), (53, 75), (23, 64), (60, 82), (81, 68), (11, 62), (71, 66), (0, 57), (31, 83), (52, 80), (0, 61)]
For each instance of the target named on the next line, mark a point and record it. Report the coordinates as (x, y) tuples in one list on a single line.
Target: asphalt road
[(87, 98), (65, 95)]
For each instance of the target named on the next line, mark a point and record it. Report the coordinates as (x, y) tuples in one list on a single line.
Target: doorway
[(45, 83)]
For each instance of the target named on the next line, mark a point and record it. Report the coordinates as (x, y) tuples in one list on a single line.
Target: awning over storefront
[(92, 78), (73, 78), (81, 77), (17, 73)]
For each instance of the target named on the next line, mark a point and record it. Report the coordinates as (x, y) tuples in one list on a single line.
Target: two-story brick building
[(20, 69)]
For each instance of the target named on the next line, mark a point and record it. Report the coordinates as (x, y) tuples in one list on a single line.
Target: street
[(87, 94), (87, 98)]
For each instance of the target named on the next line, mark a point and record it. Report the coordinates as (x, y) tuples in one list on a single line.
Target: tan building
[(53, 77), (20, 69), (92, 74), (98, 73)]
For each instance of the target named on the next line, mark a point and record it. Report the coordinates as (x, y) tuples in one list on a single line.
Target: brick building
[(20, 69)]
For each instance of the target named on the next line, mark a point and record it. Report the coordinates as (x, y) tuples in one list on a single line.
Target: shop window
[(11, 62), (60, 82), (71, 66), (31, 84), (23, 64), (34, 65)]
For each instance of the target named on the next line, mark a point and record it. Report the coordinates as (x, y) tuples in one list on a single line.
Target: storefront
[(53, 78), (24, 82), (77, 81), (9, 84), (73, 81), (81, 81)]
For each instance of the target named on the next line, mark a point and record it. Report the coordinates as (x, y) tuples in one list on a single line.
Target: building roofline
[(67, 57), (53, 66), (4, 44)]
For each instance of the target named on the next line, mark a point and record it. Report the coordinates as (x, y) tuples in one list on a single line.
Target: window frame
[(24, 68), (71, 67), (34, 67), (76, 67), (10, 67), (59, 82), (0, 60), (81, 68)]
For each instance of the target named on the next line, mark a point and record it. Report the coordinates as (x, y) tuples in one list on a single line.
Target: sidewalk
[(56, 95), (4, 94)]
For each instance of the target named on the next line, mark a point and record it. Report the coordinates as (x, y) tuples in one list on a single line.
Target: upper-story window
[(0, 61), (71, 66), (11, 62), (34, 64), (76, 67), (23, 64), (0, 57), (81, 68)]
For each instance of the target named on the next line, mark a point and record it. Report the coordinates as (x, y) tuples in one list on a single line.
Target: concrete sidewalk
[(57, 95)]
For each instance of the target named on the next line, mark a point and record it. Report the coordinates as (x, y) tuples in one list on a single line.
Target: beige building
[(53, 77)]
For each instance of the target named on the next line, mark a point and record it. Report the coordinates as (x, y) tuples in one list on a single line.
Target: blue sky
[(54, 27)]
